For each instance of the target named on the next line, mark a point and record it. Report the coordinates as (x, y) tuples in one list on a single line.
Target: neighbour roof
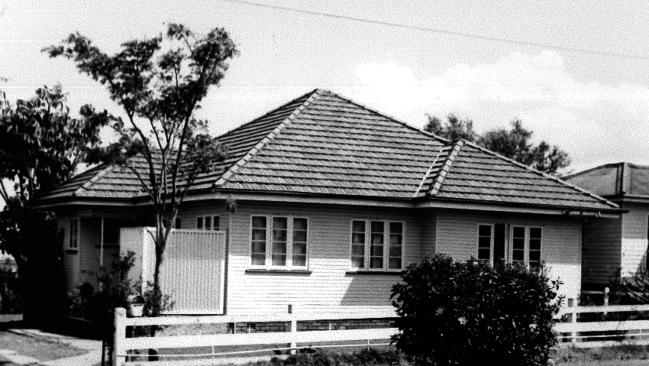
[(327, 145), (614, 180)]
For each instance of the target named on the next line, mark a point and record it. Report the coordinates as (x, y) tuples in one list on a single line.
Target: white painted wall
[(329, 285), (634, 238), (561, 242)]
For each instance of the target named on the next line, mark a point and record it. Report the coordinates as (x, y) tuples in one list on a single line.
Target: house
[(616, 247), (333, 200)]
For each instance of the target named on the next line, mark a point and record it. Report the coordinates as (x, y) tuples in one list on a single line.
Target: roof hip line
[(430, 168), (236, 166), (443, 171)]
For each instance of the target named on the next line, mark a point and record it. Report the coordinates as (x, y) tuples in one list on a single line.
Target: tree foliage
[(159, 82), (470, 313), (41, 145), (514, 143)]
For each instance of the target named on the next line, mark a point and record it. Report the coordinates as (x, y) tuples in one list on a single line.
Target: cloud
[(594, 122)]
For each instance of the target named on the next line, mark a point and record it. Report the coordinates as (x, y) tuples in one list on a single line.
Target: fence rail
[(292, 338), (577, 326)]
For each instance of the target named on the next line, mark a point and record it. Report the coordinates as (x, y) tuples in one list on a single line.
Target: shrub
[(470, 313), (115, 290)]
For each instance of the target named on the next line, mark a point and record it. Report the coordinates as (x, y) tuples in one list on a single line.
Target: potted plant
[(135, 305)]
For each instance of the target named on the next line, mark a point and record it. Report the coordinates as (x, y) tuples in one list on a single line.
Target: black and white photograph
[(324, 183)]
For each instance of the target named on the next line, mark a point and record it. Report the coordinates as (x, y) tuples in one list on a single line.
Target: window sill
[(278, 271), (376, 272)]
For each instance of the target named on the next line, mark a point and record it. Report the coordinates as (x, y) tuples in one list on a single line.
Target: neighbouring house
[(616, 248), (333, 200)]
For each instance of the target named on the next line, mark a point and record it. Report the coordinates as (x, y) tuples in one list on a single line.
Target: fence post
[(573, 321), (119, 336), (293, 344)]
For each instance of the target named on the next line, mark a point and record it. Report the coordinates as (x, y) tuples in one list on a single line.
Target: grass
[(620, 355), (38, 348)]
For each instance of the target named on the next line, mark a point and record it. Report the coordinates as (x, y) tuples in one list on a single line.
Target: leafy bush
[(470, 313), (116, 289)]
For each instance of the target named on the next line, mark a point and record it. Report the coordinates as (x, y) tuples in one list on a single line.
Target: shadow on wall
[(369, 289)]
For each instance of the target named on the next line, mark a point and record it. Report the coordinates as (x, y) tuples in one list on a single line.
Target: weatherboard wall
[(601, 252), (457, 235), (634, 238), (329, 282)]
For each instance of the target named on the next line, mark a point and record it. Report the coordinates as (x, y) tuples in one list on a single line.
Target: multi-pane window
[(73, 240), (279, 241), (300, 234), (377, 244), (258, 240), (377, 235), (485, 242), (522, 245), (395, 249), (534, 255), (518, 245), (208, 222), (358, 244)]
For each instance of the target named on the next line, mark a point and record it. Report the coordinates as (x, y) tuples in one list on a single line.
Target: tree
[(514, 143), (41, 145), (471, 313), (159, 82), (454, 128)]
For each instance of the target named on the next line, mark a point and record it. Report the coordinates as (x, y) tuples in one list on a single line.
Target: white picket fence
[(594, 326), (584, 327), (292, 338)]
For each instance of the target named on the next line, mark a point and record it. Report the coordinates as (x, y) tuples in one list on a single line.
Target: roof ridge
[(430, 168), (546, 175), (370, 109), (102, 172), (269, 137), (443, 171)]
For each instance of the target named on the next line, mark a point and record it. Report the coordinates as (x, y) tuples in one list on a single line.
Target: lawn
[(38, 348)]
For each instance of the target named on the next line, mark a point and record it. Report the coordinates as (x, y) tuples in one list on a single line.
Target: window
[(358, 244), (523, 247), (208, 222), (534, 256), (73, 240), (518, 245), (377, 245), (485, 242), (178, 223), (288, 241)]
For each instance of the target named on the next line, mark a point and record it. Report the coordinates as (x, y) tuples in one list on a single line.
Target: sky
[(594, 107)]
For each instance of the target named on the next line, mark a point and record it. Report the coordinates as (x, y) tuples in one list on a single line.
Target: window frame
[(368, 245), (203, 217), (268, 262), (492, 238), (74, 234), (509, 242)]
